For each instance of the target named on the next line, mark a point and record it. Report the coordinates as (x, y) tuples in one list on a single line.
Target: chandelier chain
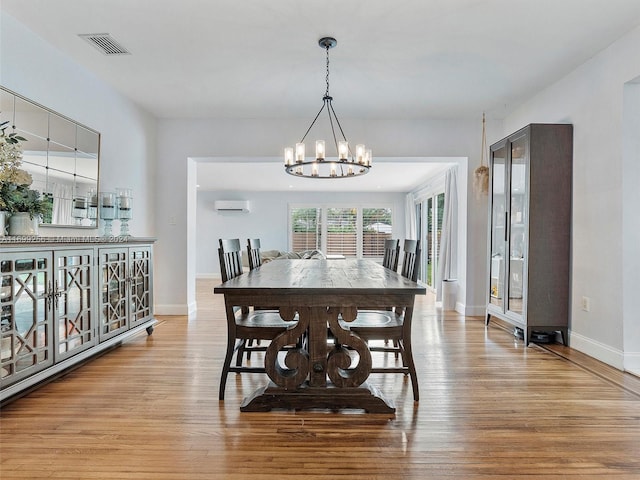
[(326, 93)]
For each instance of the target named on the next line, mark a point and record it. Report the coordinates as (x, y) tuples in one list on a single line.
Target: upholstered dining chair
[(244, 324), (393, 325)]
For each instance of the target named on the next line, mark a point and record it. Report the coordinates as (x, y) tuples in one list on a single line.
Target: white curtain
[(62, 204), (410, 219), (447, 258)]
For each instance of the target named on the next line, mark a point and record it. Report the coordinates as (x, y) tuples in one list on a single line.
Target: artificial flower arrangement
[(15, 194)]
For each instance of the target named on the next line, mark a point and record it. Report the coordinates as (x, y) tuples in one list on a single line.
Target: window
[(432, 210), (355, 232), (305, 229), (376, 228), (342, 232)]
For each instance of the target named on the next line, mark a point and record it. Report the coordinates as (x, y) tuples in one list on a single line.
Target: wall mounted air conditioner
[(231, 205)]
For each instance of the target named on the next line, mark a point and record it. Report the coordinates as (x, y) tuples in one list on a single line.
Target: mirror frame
[(52, 114)]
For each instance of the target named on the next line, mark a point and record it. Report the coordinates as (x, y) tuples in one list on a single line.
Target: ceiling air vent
[(105, 43)]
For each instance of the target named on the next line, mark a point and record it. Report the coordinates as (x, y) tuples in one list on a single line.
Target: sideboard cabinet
[(62, 302), (530, 229)]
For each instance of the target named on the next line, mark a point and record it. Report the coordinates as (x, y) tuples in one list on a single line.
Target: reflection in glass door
[(517, 210), (498, 228)]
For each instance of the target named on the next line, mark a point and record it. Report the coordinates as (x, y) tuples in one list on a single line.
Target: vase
[(21, 223), (3, 223)]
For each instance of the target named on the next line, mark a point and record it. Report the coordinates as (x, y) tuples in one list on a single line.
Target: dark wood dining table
[(307, 371)]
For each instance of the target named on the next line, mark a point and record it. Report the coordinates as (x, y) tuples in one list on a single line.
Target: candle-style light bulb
[(320, 150), (288, 156), (360, 153), (299, 152), (343, 150)]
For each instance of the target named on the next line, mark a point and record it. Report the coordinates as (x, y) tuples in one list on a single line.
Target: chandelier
[(345, 164)]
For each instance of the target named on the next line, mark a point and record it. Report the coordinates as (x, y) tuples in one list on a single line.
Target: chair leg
[(231, 346), (250, 344), (240, 352), (407, 359)]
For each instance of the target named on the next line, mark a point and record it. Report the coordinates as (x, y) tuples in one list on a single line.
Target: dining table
[(318, 362)]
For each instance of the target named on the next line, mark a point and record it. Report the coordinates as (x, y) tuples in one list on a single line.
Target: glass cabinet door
[(517, 222), (114, 304), (140, 285), (26, 315), (74, 318), (498, 228)]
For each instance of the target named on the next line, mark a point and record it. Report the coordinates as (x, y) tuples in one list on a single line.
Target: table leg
[(318, 318), (289, 388)]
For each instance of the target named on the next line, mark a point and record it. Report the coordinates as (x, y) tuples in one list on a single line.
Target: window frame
[(324, 207)]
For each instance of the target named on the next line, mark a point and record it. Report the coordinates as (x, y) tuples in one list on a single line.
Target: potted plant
[(25, 205)]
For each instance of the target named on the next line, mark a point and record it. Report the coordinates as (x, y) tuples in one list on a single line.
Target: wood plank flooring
[(490, 408)]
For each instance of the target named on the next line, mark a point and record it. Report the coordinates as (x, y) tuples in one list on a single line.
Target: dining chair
[(253, 252), (230, 258), (255, 260), (393, 325), (391, 254), (244, 324), (411, 259)]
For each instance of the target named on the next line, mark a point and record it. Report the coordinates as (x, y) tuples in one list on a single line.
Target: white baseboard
[(181, 309), (632, 363), (471, 310), (207, 276), (597, 350)]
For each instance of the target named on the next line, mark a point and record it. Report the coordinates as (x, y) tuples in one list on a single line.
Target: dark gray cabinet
[(530, 229)]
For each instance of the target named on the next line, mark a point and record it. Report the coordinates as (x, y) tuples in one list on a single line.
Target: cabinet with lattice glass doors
[(46, 309), (62, 303), (125, 289)]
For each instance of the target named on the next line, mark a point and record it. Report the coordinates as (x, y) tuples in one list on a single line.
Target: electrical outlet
[(586, 304), (172, 220)]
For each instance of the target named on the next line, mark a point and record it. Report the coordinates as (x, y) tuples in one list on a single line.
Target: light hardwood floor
[(490, 408)]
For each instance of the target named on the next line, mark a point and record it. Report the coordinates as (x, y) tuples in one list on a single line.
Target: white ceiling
[(395, 58)]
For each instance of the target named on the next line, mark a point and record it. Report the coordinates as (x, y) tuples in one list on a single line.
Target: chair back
[(391, 254), (253, 250), (230, 256), (411, 260)]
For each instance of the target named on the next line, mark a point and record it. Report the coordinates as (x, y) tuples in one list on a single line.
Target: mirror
[(61, 155)]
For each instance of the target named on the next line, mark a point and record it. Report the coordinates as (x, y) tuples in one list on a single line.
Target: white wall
[(36, 70), (175, 292), (591, 98), (268, 219)]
